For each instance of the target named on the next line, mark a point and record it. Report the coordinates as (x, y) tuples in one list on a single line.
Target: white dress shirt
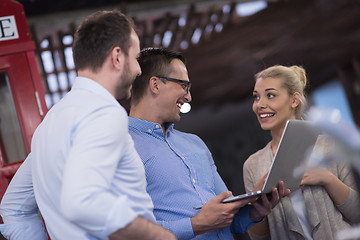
[(87, 177)]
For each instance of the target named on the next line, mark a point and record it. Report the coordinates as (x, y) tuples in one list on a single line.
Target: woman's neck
[(276, 136)]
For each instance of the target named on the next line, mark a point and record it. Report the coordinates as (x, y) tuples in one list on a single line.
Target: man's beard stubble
[(123, 90)]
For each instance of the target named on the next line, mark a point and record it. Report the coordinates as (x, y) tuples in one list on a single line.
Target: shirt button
[(149, 130), (193, 180), (182, 158), (156, 126)]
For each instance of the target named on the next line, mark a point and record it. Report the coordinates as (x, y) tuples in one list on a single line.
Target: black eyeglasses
[(185, 84)]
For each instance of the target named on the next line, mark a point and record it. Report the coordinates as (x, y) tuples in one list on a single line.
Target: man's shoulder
[(189, 136), (85, 101)]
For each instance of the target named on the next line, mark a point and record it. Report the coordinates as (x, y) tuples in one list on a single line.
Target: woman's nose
[(261, 103)]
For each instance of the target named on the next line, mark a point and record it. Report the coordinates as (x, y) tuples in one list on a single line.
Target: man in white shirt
[(88, 180)]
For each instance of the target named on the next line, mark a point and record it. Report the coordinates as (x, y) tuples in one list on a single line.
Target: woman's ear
[(295, 100)]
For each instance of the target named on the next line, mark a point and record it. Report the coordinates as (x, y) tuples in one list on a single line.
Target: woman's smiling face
[(273, 105)]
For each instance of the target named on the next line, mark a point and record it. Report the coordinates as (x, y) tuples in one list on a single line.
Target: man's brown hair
[(97, 35)]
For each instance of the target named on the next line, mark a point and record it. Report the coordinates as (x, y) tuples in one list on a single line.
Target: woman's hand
[(337, 190), (264, 204), (317, 176)]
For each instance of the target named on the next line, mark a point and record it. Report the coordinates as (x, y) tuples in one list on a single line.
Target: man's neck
[(102, 77), (147, 113)]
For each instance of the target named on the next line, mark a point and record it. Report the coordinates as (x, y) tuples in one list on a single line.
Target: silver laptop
[(297, 141), (296, 144)]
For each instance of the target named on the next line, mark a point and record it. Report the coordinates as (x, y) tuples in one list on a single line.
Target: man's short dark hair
[(97, 35), (153, 62)]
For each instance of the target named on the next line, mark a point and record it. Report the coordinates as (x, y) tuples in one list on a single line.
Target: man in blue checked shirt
[(179, 168)]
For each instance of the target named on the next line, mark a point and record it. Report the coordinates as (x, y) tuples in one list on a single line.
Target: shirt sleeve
[(86, 196), (242, 221), (19, 209), (346, 175)]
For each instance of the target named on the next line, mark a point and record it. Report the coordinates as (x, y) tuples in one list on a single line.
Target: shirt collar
[(93, 86), (149, 127)]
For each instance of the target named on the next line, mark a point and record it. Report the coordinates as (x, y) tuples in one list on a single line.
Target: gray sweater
[(324, 218)]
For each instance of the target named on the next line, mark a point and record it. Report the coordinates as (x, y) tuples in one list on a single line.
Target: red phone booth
[(22, 101)]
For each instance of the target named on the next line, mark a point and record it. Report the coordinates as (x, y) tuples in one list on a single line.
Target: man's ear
[(295, 100), (154, 85), (117, 57)]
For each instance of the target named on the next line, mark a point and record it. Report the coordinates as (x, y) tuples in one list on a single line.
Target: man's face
[(131, 69), (173, 95)]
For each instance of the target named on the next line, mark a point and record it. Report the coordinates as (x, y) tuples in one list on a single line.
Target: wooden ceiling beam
[(303, 32)]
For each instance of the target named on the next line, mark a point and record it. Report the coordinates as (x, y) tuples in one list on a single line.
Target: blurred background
[(225, 43)]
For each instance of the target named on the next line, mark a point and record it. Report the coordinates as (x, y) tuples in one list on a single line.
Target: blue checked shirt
[(181, 174)]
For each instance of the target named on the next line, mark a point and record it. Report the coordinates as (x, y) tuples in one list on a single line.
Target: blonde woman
[(325, 202)]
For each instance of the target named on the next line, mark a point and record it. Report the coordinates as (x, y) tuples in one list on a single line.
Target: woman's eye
[(271, 95), (255, 97)]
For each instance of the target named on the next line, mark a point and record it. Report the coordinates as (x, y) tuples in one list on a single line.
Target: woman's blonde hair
[(294, 80)]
